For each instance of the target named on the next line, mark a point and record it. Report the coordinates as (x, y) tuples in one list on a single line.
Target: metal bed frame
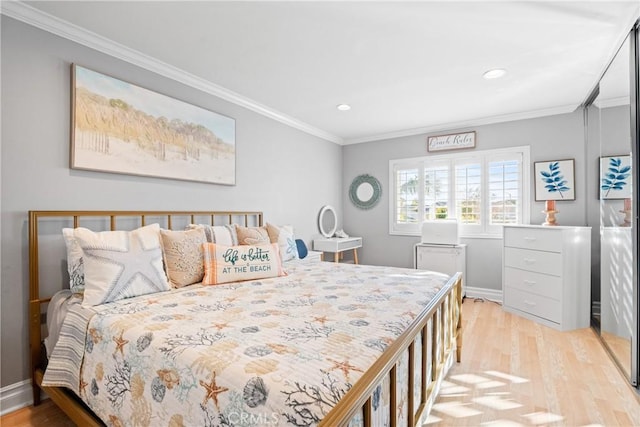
[(438, 329)]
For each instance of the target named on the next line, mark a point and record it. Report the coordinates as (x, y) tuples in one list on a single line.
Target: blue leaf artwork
[(554, 180), (615, 178)]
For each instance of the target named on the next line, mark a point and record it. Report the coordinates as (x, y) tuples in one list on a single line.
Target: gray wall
[(553, 137), (286, 173)]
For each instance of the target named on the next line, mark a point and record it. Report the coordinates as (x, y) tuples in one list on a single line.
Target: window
[(483, 190)]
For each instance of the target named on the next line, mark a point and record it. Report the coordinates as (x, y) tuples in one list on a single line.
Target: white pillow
[(219, 234), (121, 264), (284, 237)]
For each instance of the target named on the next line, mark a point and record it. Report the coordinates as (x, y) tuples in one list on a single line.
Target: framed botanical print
[(554, 180)]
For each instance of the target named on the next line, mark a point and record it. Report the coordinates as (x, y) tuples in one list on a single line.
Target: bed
[(326, 344)]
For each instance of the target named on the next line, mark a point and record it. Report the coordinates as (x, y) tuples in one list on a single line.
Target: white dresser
[(448, 259), (546, 274)]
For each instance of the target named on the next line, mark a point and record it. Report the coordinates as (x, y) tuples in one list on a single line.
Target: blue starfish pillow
[(121, 264)]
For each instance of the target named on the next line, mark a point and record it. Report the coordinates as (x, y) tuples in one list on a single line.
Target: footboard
[(432, 339)]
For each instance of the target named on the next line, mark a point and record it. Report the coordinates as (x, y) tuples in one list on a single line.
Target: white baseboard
[(15, 396), (490, 294)]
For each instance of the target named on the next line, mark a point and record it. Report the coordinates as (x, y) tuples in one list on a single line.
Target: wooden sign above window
[(452, 141)]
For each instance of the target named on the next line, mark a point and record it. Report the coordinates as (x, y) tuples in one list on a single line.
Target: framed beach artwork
[(554, 180), (615, 177), (119, 127)]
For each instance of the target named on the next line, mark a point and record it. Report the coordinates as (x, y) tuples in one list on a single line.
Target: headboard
[(99, 221)]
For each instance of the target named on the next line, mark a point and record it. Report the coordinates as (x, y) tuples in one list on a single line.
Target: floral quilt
[(280, 351)]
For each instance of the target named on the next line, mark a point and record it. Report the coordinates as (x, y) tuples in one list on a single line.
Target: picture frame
[(119, 127), (614, 181), (554, 180)]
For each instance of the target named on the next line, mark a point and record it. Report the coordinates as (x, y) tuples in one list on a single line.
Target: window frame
[(483, 230)]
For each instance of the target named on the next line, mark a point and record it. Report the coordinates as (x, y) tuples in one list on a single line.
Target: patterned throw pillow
[(219, 234), (182, 251), (223, 264), (75, 263), (121, 264), (252, 235), (75, 266), (285, 239)]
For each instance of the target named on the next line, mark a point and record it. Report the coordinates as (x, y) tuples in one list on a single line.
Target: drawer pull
[(529, 260), (529, 303), (529, 282), (530, 239)]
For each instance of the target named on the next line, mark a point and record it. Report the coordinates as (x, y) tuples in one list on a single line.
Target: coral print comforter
[(280, 351)]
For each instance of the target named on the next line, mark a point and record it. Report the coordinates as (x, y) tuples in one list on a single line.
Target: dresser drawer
[(536, 261), (535, 283), (350, 243), (536, 305), (533, 238)]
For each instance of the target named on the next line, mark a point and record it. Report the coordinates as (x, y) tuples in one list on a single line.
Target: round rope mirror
[(365, 191)]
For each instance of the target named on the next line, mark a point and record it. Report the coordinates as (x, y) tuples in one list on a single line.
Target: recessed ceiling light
[(495, 73), (343, 107)]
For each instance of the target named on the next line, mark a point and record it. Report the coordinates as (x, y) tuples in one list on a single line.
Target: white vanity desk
[(338, 245), (328, 223)]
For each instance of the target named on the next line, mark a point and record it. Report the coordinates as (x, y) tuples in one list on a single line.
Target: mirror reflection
[(365, 192), (609, 133)]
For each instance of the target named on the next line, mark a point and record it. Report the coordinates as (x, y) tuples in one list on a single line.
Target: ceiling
[(404, 67)]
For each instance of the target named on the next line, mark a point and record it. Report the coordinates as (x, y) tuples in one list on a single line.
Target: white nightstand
[(337, 245)]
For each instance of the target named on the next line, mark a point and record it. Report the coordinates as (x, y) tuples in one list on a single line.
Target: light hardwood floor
[(621, 348), (514, 372)]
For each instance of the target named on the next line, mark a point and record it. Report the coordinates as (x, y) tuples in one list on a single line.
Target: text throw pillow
[(223, 264)]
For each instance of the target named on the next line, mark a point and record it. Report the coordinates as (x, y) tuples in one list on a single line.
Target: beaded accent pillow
[(182, 252), (252, 235)]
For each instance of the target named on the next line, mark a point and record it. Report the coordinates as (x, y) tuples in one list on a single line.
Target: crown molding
[(44, 21), (465, 124), (613, 102)]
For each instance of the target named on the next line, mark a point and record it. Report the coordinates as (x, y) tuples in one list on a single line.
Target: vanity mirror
[(327, 221)]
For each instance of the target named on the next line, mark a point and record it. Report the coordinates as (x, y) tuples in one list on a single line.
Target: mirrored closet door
[(612, 207)]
